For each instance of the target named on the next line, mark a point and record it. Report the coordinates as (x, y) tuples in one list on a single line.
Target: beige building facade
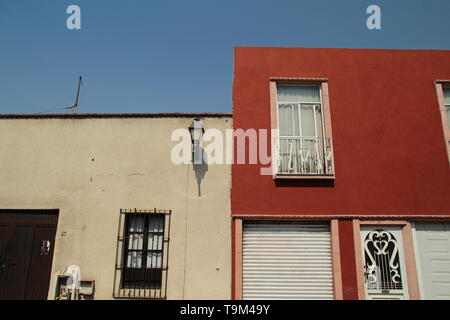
[(91, 171)]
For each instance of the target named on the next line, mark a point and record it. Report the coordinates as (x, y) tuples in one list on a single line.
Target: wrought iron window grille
[(142, 253)]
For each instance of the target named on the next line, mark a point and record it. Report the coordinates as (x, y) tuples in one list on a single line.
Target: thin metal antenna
[(75, 106)]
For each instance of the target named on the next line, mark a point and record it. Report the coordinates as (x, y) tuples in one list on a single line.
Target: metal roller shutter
[(287, 261)]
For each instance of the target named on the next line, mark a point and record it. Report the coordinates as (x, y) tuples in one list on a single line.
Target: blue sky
[(177, 55)]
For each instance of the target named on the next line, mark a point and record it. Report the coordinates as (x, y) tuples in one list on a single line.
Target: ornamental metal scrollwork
[(45, 248), (382, 262)]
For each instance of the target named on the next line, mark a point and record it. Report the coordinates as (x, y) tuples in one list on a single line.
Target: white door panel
[(433, 259)]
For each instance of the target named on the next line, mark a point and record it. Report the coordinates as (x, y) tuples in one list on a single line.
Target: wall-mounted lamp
[(196, 130)]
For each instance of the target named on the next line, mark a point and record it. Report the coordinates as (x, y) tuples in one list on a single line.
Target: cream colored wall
[(91, 168)]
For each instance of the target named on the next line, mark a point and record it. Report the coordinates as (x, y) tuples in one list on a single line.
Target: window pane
[(448, 115), (135, 241), (134, 259), (447, 95), (298, 94), (155, 242), (289, 121), (154, 260), (136, 223), (319, 128), (156, 224), (284, 150), (307, 119)]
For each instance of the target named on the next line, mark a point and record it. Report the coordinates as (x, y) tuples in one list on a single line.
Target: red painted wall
[(389, 147), (347, 256)]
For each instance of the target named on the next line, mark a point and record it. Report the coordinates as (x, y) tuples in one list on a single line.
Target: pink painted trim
[(289, 80), (326, 109), (442, 81), (273, 123), (408, 248), (358, 260), (327, 120), (273, 105), (256, 216), (238, 260), (336, 260), (390, 222), (410, 261)]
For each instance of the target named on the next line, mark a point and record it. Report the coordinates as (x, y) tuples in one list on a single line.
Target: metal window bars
[(142, 254), (382, 270), (304, 156)]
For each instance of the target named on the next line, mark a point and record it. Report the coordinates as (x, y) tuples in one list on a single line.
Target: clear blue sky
[(177, 55)]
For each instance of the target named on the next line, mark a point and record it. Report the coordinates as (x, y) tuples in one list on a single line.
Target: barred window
[(141, 263)]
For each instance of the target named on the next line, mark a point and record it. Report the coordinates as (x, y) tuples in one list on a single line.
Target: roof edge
[(344, 48), (114, 115)]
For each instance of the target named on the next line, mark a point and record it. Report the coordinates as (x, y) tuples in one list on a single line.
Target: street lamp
[(196, 130)]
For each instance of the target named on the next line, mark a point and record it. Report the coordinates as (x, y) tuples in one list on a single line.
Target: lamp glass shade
[(196, 130)]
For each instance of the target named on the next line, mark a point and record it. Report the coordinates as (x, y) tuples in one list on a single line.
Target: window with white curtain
[(302, 145), (141, 266), (143, 254), (447, 103)]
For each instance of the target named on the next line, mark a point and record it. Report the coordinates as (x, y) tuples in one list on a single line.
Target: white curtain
[(155, 241), (156, 224), (154, 260), (137, 223), (289, 125), (447, 96), (134, 259), (300, 128), (447, 103)]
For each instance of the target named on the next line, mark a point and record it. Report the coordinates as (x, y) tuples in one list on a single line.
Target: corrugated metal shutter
[(287, 261)]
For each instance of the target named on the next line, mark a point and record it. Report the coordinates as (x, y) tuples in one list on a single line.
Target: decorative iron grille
[(305, 156), (142, 254), (382, 261)]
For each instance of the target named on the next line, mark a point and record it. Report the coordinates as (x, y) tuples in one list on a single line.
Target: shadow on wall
[(200, 170), (305, 183)]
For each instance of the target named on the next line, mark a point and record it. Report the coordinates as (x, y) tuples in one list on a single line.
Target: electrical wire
[(56, 109)]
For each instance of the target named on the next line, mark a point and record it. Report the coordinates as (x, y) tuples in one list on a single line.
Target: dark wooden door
[(26, 251)]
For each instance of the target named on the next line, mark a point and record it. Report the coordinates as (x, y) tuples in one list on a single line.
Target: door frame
[(28, 217), (408, 248)]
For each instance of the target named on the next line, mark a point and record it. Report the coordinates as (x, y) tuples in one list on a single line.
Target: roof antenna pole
[(78, 95), (75, 106)]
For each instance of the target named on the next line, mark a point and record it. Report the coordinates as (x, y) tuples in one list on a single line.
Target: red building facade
[(357, 205)]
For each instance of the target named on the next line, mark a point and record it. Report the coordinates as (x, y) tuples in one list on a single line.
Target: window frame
[(440, 85), (322, 83), (446, 105), (148, 272), (128, 280)]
